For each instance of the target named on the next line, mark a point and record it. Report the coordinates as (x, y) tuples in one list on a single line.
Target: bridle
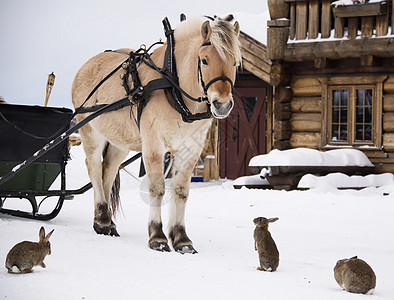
[(139, 95), (200, 76)]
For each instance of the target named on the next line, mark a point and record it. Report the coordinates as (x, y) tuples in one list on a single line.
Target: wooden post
[(339, 27), (366, 26), (382, 24), (50, 83), (277, 36), (326, 19), (313, 24), (352, 27), (302, 20)]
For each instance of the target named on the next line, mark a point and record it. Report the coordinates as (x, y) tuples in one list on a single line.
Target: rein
[(139, 95)]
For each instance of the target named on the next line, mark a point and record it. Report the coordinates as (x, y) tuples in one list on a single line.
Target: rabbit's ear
[(42, 233), (49, 235), (271, 220)]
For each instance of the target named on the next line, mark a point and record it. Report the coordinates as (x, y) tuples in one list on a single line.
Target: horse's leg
[(112, 158), (154, 169), (180, 184), (94, 146)]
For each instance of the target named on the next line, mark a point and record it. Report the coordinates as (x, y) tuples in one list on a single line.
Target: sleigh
[(27, 169)]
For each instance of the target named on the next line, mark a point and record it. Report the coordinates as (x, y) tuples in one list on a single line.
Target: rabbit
[(25, 255), (355, 276), (265, 245)]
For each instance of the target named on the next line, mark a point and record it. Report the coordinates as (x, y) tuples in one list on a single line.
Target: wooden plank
[(326, 19), (307, 104), (302, 19), (306, 86), (388, 103), (367, 26), (339, 25), (305, 139), (306, 122), (382, 25), (388, 122), (256, 61), (256, 71), (292, 21), (313, 24), (352, 28)]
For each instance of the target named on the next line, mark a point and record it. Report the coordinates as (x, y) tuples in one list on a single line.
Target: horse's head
[(218, 58)]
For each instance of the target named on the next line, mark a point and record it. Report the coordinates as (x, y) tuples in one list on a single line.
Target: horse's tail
[(115, 197)]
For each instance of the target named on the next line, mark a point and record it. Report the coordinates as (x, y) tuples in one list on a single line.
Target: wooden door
[(243, 132)]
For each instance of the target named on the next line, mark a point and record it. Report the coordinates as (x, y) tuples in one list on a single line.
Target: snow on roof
[(254, 25), (312, 157)]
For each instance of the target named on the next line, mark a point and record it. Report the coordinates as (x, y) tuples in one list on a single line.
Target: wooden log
[(301, 20), (388, 86), (280, 74), (306, 122), (339, 25), (382, 25), (283, 94), (313, 24), (281, 145), (388, 142), (388, 103), (306, 86), (292, 20), (282, 135), (367, 26), (282, 125), (255, 70), (388, 122), (352, 28), (306, 104), (305, 139), (282, 111), (326, 19)]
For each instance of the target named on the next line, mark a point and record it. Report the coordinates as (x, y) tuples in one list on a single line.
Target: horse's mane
[(223, 37)]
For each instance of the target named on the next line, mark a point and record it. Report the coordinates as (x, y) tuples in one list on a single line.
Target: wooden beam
[(280, 74), (305, 139), (388, 103), (307, 104), (383, 47), (366, 60)]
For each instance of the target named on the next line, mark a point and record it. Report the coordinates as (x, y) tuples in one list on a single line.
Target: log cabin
[(332, 73)]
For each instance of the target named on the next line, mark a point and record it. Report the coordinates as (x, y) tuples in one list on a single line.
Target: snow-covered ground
[(314, 230)]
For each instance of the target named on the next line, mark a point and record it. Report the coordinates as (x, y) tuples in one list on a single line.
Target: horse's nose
[(217, 104)]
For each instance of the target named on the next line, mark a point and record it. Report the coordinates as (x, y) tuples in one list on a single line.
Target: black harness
[(139, 95)]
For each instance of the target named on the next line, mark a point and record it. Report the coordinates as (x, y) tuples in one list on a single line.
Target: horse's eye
[(204, 62)]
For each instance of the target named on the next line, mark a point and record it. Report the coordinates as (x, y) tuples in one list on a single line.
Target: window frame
[(352, 83)]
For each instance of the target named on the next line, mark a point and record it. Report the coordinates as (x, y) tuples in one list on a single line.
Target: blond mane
[(223, 37)]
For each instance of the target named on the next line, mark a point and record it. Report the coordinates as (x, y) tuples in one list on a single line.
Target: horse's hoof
[(105, 230), (186, 249), (160, 246)]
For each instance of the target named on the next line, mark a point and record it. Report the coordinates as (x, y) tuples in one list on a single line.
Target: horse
[(205, 49)]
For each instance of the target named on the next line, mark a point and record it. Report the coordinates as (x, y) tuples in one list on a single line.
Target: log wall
[(306, 109), (388, 116)]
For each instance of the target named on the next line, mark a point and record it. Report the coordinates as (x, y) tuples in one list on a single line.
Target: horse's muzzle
[(221, 110)]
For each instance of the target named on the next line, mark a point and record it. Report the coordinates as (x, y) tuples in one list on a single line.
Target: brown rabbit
[(25, 255), (355, 276), (265, 245)]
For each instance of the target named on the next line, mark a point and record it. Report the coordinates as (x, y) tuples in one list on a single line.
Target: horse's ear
[(206, 31), (236, 28)]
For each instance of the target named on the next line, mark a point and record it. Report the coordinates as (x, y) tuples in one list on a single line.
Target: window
[(353, 111)]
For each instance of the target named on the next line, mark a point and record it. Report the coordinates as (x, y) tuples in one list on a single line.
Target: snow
[(315, 229), (312, 157), (353, 2)]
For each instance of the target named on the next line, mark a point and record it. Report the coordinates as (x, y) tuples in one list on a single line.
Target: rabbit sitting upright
[(265, 245), (25, 255), (355, 276)]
